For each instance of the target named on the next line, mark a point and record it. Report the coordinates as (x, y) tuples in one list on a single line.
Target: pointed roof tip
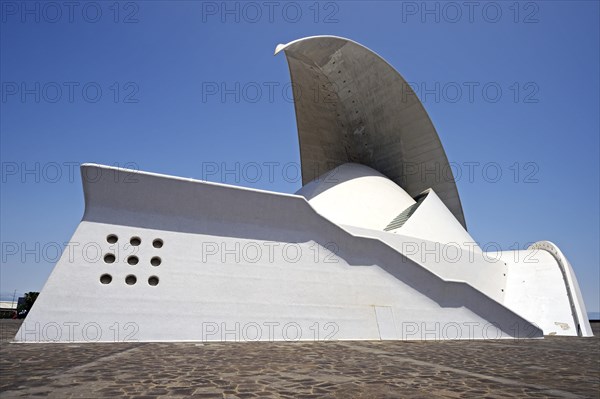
[(281, 47), (278, 48)]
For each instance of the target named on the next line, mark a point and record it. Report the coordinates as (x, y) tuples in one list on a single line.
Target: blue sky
[(184, 88)]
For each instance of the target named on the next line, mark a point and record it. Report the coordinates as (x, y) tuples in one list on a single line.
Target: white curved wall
[(332, 285), (356, 195), (225, 267), (537, 289), (433, 221)]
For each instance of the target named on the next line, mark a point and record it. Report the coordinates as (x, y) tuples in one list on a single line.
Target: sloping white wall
[(538, 284), (485, 272), (213, 287), (433, 221)]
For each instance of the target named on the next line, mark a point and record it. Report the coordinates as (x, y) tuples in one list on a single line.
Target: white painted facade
[(353, 255)]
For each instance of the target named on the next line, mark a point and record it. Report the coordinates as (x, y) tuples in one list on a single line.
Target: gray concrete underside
[(352, 106)]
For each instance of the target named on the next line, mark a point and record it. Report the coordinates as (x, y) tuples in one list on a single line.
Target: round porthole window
[(109, 258), (131, 279), (111, 238), (135, 241), (133, 260), (157, 243), (153, 281), (106, 279), (155, 261)]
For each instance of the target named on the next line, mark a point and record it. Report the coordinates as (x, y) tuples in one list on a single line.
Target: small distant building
[(8, 308)]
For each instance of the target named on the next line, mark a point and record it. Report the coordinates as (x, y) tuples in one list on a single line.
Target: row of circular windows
[(129, 280), (132, 260), (134, 241)]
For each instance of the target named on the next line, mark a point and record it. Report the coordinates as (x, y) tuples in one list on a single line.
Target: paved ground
[(553, 367)]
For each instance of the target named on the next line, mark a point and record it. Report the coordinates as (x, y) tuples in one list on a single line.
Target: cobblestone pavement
[(552, 367)]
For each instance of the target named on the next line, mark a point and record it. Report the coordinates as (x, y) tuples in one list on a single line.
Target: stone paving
[(553, 367)]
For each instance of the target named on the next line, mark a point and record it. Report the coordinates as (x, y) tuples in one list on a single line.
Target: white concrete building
[(367, 249)]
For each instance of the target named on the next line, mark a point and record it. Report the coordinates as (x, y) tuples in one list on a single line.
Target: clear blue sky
[(155, 63)]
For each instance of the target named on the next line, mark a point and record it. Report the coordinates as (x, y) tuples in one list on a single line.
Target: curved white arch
[(353, 106), (580, 317), (356, 195)]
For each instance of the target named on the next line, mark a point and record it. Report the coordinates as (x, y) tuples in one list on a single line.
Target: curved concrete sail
[(352, 106)]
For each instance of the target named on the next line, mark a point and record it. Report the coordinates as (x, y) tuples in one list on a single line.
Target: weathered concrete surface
[(352, 106), (565, 367)]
